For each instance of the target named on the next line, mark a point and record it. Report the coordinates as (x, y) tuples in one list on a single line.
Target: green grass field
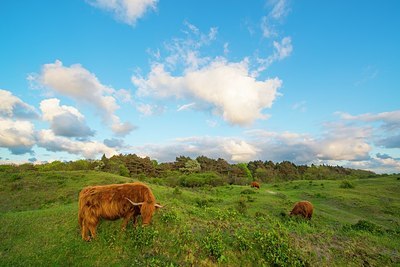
[(226, 225)]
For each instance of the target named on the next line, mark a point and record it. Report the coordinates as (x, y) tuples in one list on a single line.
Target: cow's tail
[(80, 211)]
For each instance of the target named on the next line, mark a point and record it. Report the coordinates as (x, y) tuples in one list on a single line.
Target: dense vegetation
[(209, 218), (201, 171)]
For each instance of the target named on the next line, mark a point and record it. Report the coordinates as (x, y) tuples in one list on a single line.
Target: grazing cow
[(111, 202), (255, 184), (303, 208)]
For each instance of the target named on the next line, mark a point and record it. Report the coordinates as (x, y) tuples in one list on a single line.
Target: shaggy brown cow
[(112, 202), (255, 184), (303, 208)]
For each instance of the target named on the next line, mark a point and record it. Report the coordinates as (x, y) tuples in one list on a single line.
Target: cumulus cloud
[(13, 107), (64, 120), (83, 86), (379, 165), (240, 151), (344, 142), (127, 11), (227, 88), (340, 142), (390, 120), (387, 124), (213, 84), (230, 148), (114, 142), (88, 149), (17, 136)]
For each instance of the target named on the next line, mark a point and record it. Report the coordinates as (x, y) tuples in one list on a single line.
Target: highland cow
[(303, 208), (111, 202), (255, 184)]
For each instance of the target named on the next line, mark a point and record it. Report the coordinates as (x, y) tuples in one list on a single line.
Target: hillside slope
[(226, 225)]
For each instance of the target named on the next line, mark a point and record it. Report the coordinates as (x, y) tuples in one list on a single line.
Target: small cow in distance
[(255, 184), (111, 202), (303, 208)]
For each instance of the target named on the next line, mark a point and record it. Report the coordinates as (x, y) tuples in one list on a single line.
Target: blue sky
[(307, 81)]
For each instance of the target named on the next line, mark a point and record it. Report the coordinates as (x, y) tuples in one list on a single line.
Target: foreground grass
[(227, 225)]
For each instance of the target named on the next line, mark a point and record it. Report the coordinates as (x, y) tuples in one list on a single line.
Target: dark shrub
[(346, 184)]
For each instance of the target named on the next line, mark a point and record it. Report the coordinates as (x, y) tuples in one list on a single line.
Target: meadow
[(355, 223)]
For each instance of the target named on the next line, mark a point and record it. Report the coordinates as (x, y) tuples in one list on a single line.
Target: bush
[(366, 226), (346, 184), (169, 217), (201, 179), (241, 206), (247, 192), (214, 245), (275, 247)]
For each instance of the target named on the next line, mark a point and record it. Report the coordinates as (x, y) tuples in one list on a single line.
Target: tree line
[(185, 171)]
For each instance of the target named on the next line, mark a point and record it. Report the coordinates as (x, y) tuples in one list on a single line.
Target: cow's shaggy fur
[(303, 208), (111, 202), (255, 184)]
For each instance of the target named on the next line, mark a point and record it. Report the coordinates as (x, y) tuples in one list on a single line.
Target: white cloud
[(116, 143), (186, 106), (64, 120), (127, 11), (226, 87), (88, 149), (119, 128), (390, 119), (300, 106), (13, 107), (83, 86), (240, 151), (340, 142), (230, 148), (279, 9), (124, 95), (282, 50), (17, 136), (386, 124), (267, 28)]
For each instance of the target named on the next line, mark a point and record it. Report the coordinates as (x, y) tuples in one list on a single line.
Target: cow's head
[(146, 210)]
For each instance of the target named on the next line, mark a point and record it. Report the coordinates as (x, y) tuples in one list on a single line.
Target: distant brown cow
[(255, 184), (111, 202), (303, 208)]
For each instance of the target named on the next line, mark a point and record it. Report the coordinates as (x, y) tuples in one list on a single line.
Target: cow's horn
[(133, 203), (158, 206)]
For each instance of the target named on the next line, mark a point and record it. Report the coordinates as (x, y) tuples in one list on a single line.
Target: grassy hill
[(226, 225)]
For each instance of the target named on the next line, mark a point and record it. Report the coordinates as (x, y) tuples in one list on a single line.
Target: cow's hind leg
[(92, 229), (85, 232)]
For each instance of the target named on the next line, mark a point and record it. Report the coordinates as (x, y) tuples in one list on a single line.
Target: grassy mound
[(202, 226)]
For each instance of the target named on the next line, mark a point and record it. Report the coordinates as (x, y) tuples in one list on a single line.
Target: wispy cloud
[(369, 73), (278, 11)]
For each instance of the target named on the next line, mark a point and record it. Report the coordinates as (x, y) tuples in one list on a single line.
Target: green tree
[(191, 166)]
